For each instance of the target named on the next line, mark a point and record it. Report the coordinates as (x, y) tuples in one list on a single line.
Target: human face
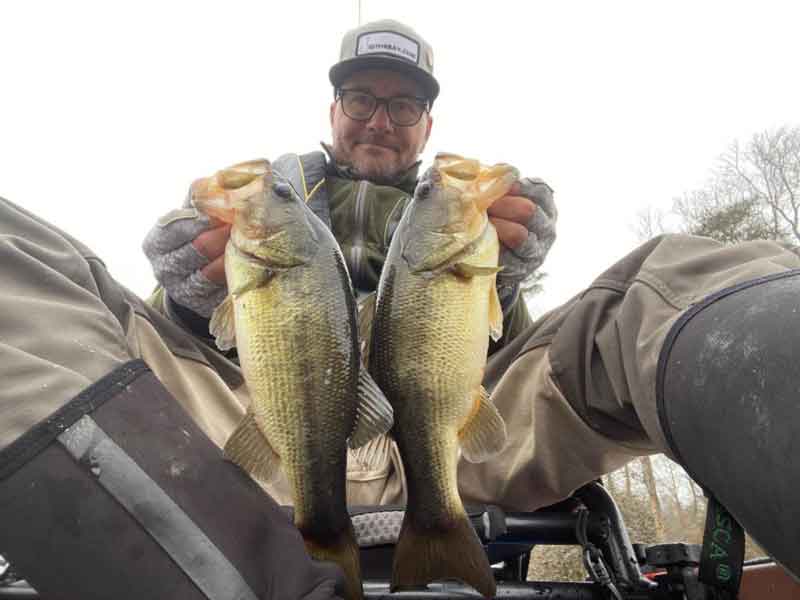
[(377, 149)]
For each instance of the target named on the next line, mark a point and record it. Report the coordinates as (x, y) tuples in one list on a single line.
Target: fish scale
[(291, 391), (456, 310)]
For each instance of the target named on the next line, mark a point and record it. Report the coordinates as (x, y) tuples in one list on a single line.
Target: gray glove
[(520, 263), (177, 264)]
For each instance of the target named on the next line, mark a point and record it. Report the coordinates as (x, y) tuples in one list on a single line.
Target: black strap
[(723, 551), (38, 437)]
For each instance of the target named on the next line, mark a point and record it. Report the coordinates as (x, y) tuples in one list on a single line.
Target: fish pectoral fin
[(250, 449), (484, 433), (374, 415), (467, 270), (495, 315), (222, 325)]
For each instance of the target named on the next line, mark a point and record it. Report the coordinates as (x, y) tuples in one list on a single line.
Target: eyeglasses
[(403, 111)]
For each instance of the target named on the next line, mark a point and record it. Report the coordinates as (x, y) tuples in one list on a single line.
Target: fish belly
[(301, 366), (432, 338)]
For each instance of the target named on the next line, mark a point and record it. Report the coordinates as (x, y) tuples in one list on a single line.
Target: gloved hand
[(186, 249), (525, 220)]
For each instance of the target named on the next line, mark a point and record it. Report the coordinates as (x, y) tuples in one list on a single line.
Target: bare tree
[(608, 482), (649, 223), (695, 498), (676, 498), (652, 492), (752, 193), (720, 211), (767, 172), (627, 480), (533, 284)]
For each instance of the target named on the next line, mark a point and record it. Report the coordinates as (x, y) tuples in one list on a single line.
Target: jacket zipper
[(357, 249)]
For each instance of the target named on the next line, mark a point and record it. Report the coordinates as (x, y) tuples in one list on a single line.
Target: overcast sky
[(108, 110)]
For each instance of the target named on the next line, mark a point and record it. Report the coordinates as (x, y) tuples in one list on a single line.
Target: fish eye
[(423, 190), (282, 189)]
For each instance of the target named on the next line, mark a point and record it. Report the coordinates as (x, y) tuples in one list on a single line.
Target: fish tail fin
[(343, 551), (421, 557)]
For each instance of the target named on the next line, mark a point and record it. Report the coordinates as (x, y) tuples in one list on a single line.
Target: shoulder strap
[(306, 173)]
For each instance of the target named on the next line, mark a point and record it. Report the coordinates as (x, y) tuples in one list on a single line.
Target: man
[(380, 123), (677, 348)]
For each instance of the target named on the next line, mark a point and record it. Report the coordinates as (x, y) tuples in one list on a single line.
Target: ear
[(332, 111)]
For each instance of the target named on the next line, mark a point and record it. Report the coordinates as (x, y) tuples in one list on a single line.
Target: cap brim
[(341, 71)]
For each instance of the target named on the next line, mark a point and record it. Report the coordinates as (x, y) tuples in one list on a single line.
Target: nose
[(380, 120)]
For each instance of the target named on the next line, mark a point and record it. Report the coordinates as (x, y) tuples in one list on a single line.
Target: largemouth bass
[(436, 307), (291, 314)]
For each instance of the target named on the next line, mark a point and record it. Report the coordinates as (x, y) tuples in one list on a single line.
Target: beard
[(382, 167)]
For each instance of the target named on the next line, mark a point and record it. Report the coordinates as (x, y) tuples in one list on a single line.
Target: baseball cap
[(390, 45)]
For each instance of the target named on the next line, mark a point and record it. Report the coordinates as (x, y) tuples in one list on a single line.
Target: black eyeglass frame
[(424, 102)]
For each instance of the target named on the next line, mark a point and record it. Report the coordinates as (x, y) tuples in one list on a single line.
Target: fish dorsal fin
[(495, 314), (484, 433), (374, 415), (250, 449), (222, 325)]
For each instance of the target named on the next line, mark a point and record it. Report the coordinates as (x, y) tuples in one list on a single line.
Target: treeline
[(660, 504)]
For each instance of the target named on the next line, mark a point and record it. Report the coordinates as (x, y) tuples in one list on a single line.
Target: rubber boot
[(728, 393)]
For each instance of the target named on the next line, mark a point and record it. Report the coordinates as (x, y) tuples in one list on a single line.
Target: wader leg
[(120, 495), (578, 391), (728, 393)]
